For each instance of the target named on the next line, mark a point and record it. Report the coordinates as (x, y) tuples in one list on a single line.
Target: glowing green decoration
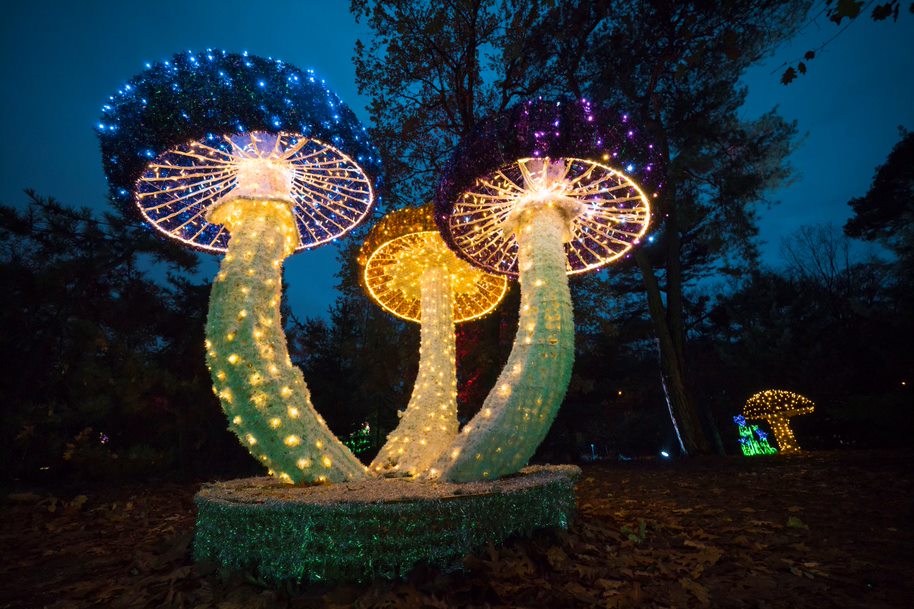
[(752, 440), (372, 528), (359, 441)]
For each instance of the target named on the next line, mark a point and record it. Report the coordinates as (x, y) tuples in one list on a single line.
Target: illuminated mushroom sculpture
[(256, 159), (410, 272), (540, 192), (777, 406)]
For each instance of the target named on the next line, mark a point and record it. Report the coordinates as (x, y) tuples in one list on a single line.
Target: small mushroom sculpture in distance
[(777, 406), (542, 191), (257, 159), (409, 271)]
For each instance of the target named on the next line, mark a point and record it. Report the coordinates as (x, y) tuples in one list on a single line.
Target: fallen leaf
[(556, 557), (697, 590)]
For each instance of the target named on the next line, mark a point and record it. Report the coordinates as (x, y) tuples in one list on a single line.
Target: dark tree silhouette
[(837, 11), (885, 214), (102, 364), (433, 69)]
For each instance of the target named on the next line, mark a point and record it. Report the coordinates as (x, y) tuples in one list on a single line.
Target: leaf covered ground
[(814, 530)]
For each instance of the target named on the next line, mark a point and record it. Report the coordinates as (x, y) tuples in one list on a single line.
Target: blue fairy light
[(189, 99)]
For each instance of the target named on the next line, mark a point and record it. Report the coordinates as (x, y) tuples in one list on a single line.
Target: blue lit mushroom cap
[(177, 137), (595, 160)]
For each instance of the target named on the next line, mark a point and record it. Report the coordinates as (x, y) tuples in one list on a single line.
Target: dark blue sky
[(62, 59)]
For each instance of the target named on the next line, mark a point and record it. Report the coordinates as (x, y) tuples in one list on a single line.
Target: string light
[(271, 403), (610, 212), (410, 272), (259, 196), (611, 170), (551, 212), (330, 193), (189, 107), (359, 441), (777, 406), (401, 247)]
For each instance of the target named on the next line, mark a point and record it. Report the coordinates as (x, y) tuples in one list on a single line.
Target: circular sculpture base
[(358, 531)]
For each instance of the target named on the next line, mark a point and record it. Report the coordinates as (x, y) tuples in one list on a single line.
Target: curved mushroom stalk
[(519, 410), (783, 434), (429, 423), (262, 393)]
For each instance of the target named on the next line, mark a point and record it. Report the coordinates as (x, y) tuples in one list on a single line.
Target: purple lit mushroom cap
[(597, 162)]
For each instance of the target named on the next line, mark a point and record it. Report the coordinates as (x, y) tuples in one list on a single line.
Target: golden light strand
[(777, 406)]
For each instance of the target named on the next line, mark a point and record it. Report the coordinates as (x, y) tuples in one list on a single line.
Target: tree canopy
[(433, 69), (885, 214)]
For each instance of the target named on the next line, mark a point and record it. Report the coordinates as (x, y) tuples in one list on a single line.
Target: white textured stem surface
[(519, 411), (264, 396), (429, 423)]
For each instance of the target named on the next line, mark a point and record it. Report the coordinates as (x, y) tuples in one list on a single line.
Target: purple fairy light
[(588, 133)]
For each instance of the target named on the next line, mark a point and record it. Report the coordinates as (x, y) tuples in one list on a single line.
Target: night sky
[(61, 60)]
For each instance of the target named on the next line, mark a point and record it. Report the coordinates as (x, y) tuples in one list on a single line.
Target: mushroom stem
[(429, 423), (264, 396), (783, 434), (519, 410)]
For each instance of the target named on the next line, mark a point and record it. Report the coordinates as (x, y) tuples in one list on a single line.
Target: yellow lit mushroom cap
[(401, 246), (776, 402)]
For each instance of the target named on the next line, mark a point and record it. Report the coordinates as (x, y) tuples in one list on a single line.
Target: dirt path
[(816, 530)]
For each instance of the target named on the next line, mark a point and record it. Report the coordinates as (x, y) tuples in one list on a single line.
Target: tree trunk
[(674, 313), (686, 417)]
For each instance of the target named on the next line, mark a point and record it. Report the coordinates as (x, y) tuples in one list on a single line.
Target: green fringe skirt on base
[(359, 531)]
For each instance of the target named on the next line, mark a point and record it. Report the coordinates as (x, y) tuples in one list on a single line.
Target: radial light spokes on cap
[(539, 192), (612, 212), (329, 192), (393, 277)]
